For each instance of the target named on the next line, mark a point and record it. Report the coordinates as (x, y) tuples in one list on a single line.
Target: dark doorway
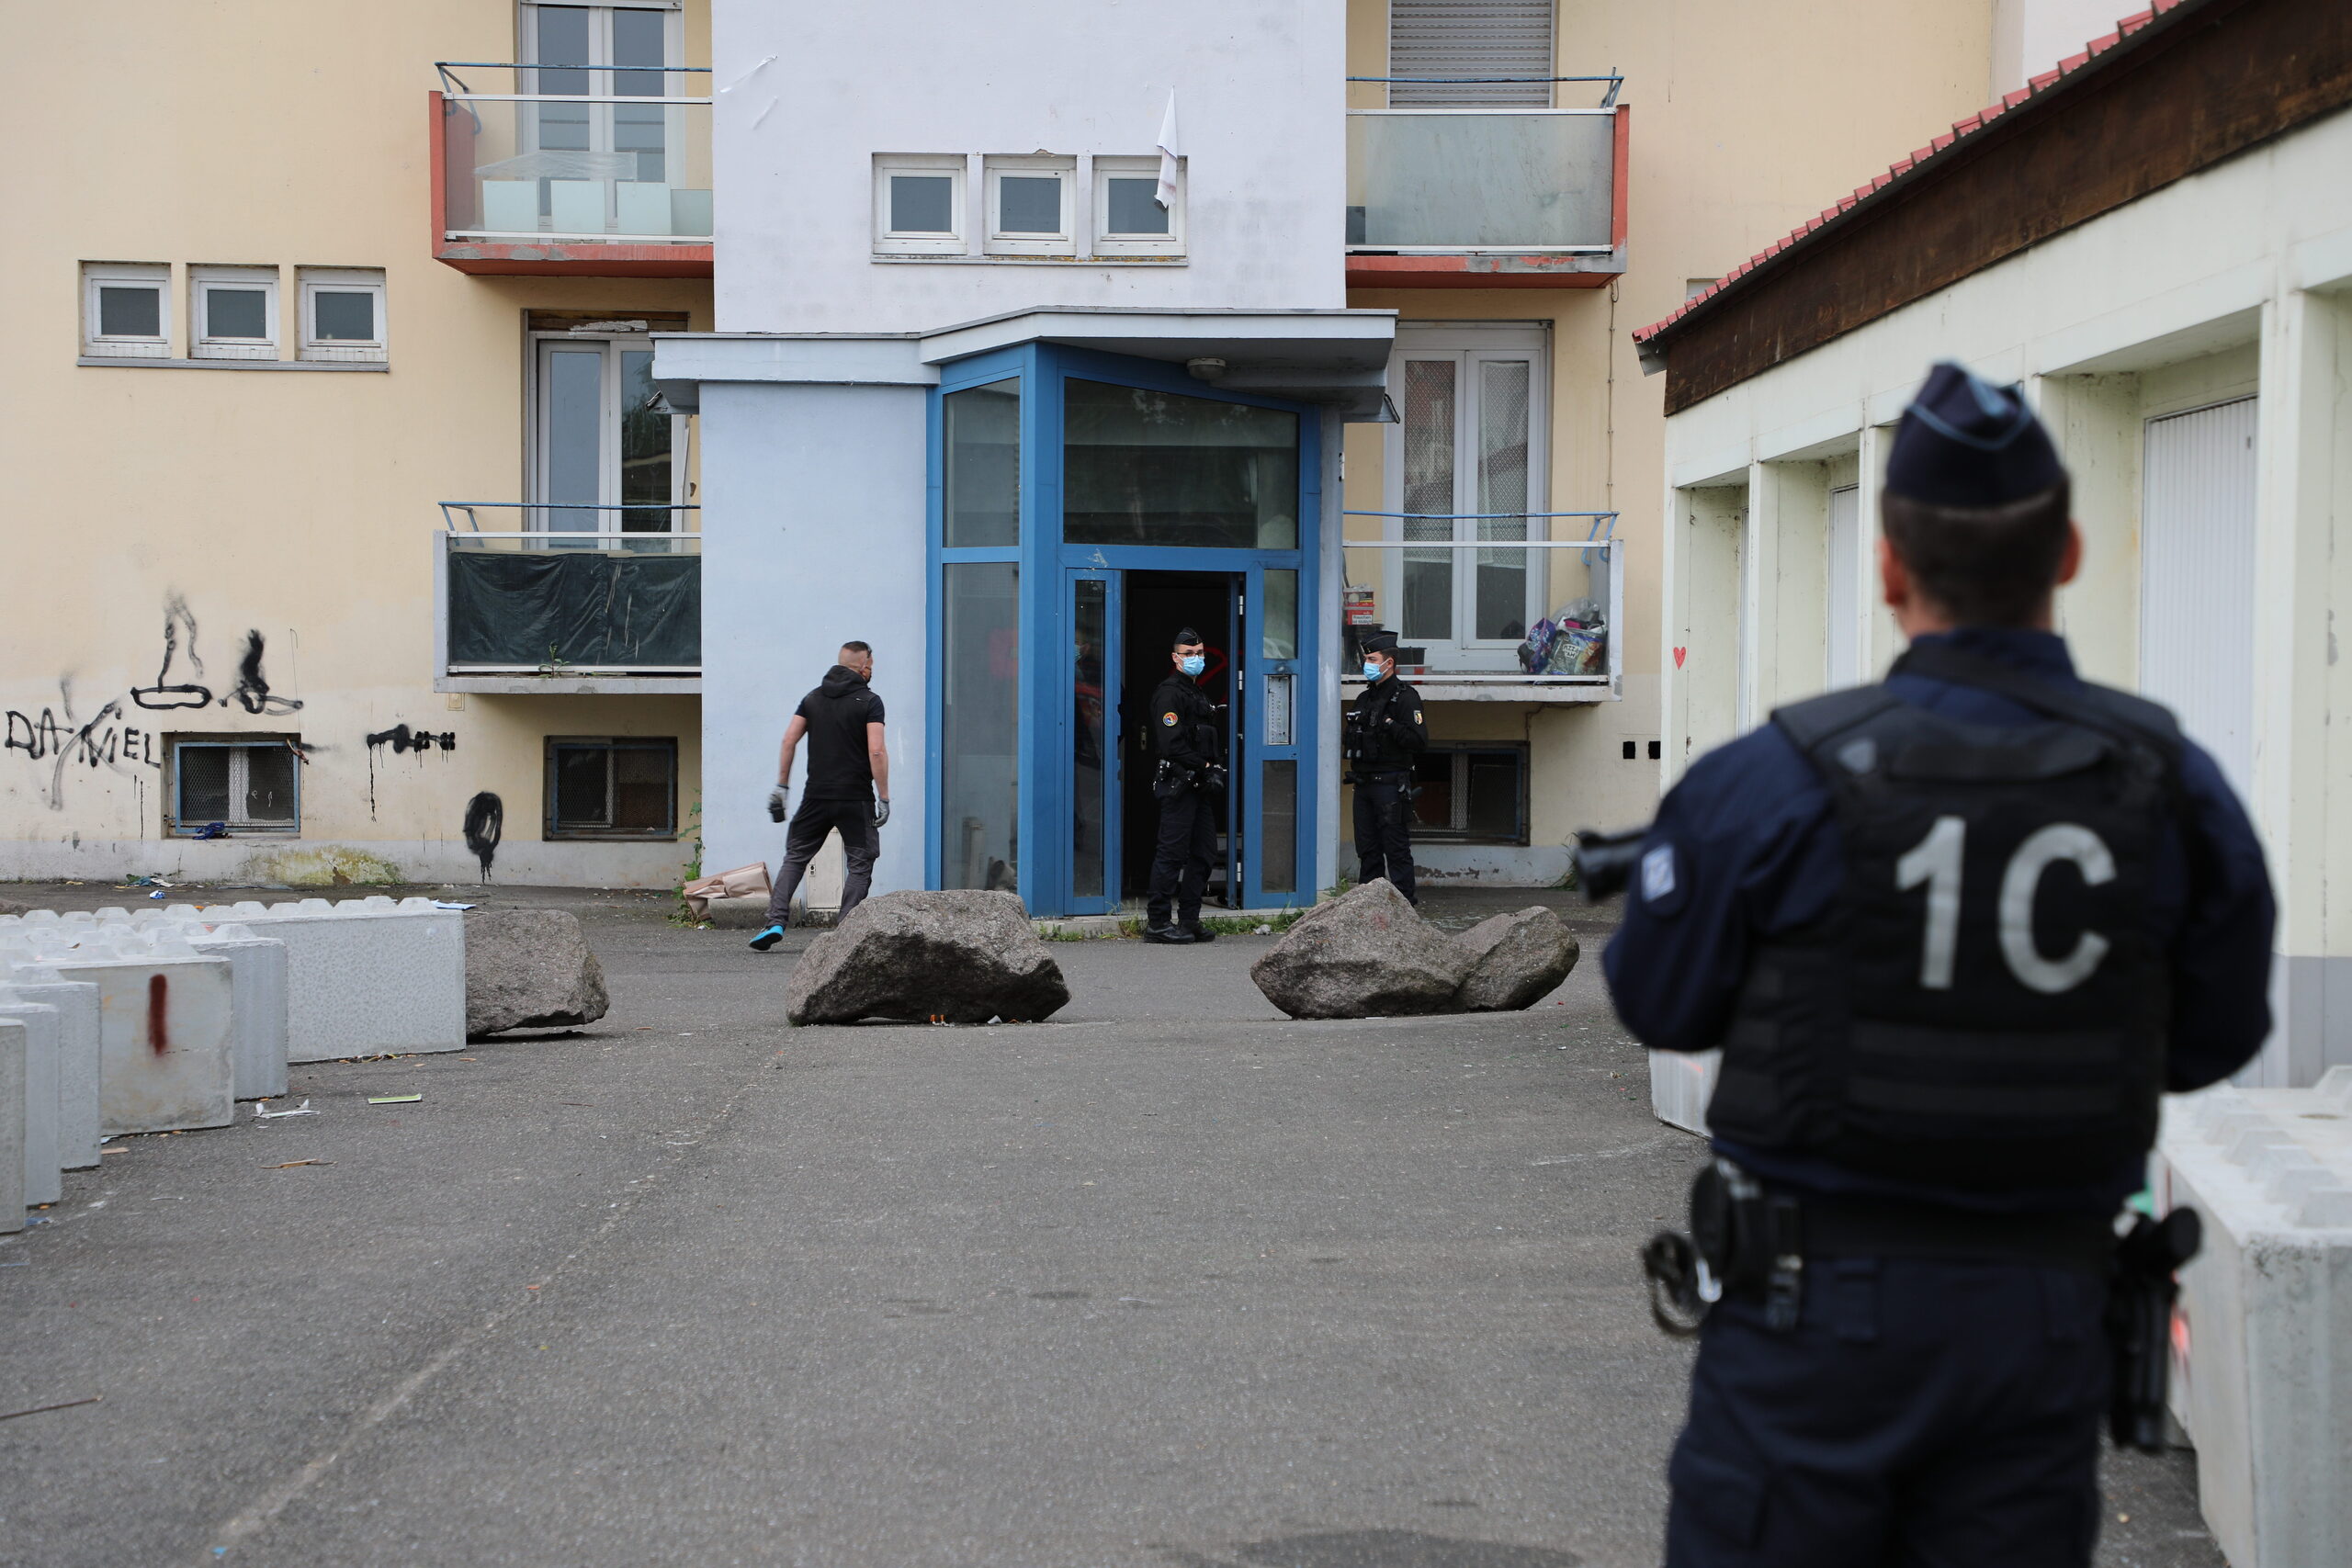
[(1157, 605)]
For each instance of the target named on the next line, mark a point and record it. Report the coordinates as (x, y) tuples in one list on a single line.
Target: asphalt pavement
[(1168, 1281)]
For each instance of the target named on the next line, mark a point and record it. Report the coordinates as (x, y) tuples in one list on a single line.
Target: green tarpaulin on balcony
[(588, 608)]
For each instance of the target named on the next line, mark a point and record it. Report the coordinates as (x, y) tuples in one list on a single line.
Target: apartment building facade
[(243, 639), (1390, 276), (2155, 239)]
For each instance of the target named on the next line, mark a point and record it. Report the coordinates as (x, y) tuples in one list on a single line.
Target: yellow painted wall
[(1747, 120), (300, 504)]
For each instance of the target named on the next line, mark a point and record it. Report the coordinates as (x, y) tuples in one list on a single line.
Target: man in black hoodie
[(848, 767)]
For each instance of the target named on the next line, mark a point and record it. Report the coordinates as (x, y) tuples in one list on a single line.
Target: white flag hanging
[(1168, 153)]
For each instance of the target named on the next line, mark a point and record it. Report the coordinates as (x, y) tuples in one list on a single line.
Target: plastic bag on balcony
[(1537, 647), (1578, 651)]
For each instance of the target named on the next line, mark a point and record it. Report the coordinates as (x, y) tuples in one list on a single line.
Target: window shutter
[(1470, 38)]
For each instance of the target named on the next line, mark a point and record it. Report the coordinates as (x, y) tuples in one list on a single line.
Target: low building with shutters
[(2155, 239)]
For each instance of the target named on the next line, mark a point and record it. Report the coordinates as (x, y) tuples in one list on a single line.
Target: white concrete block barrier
[(12, 1124), (77, 1005), (163, 1025), (1681, 1082), (363, 976), (44, 1168), (258, 970), (2262, 1380)]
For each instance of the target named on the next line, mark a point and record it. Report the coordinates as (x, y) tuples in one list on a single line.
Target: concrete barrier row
[(118, 1020)]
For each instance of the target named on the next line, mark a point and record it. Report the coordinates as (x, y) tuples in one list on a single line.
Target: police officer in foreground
[(1187, 736), (1384, 732), (1954, 933)]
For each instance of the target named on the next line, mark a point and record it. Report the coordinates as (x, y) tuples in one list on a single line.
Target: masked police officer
[(1187, 736), (1954, 934), (1384, 732)]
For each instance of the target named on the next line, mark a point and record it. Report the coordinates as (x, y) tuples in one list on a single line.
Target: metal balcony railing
[(1447, 178), (570, 601), (616, 157), (1481, 601)]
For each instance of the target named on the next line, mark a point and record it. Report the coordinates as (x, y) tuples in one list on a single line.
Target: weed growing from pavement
[(683, 915)]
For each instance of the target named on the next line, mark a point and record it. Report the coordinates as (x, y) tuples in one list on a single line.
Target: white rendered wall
[(2030, 37), (814, 534), (2235, 281), (809, 93)]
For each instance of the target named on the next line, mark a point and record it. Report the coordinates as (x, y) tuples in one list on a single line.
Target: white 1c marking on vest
[(2022, 880), (1935, 860), (1657, 874)]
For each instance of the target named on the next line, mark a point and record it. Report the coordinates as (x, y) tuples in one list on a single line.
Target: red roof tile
[(2034, 87)]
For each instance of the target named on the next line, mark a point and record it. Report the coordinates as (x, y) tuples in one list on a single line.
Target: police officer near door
[(1385, 732), (1188, 738), (1954, 934)]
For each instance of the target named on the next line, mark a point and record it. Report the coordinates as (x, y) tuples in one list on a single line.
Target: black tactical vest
[(1985, 1005)]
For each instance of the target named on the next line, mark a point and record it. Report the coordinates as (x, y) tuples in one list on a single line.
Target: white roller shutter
[(1843, 649), (2197, 579), (1470, 38)]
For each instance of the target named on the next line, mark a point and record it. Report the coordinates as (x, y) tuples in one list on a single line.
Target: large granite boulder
[(529, 969), (1366, 954), (966, 957), (1520, 958)]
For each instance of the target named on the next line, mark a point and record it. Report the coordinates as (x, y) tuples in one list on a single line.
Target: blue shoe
[(767, 938)]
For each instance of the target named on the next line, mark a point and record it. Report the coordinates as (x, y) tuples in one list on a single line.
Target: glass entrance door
[(1095, 658)]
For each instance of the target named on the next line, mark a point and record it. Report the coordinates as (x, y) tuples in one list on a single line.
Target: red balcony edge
[(1483, 271), (485, 259)]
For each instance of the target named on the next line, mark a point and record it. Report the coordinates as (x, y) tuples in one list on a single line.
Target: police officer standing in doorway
[(1384, 732), (1187, 736), (1954, 933)]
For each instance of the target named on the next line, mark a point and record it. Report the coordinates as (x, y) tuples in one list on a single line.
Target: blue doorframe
[(1048, 569)]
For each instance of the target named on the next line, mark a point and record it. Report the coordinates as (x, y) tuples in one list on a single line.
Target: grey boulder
[(964, 956), (1366, 954), (1520, 958), (529, 969)]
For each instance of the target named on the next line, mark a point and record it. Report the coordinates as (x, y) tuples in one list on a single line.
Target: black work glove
[(777, 804), (1213, 776), (881, 811)]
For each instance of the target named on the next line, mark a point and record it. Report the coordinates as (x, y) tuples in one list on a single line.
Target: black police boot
[(1175, 936), (1196, 932)]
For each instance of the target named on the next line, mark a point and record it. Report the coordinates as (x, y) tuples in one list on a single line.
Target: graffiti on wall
[(252, 689), (485, 824), (101, 741)]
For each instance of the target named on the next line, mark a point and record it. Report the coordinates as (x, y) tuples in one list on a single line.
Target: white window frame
[(342, 280), (240, 748), (889, 241), (1026, 242), (202, 344), (1109, 243), (1469, 345), (116, 274), (608, 440)]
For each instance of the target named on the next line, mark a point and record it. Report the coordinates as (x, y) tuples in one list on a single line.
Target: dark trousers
[(1921, 1415), (1384, 831), (861, 842), (1187, 848)]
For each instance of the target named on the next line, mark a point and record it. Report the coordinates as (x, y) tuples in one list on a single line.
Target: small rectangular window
[(343, 313), (612, 788), (234, 312), (919, 204), (1029, 203), (235, 784), (125, 312), (1128, 219), (1472, 795)]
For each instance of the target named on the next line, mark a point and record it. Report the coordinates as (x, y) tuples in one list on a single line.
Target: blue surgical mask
[(1191, 664), (1371, 668)]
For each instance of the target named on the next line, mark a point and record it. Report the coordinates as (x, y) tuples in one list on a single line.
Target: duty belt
[(1750, 1240)]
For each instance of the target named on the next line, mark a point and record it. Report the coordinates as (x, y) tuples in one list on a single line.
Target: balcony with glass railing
[(593, 171), (580, 598), (1488, 196), (1493, 606)]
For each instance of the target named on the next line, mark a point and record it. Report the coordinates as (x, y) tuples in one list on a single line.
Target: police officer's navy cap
[(1964, 442), (1185, 635), (1377, 639)]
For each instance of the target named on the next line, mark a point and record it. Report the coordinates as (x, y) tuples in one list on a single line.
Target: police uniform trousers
[(1921, 1415), (1384, 830), (861, 845), (1180, 864)]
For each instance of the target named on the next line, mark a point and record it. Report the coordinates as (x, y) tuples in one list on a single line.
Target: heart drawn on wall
[(1679, 654)]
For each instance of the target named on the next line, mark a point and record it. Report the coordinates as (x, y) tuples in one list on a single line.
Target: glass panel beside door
[(605, 442)]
